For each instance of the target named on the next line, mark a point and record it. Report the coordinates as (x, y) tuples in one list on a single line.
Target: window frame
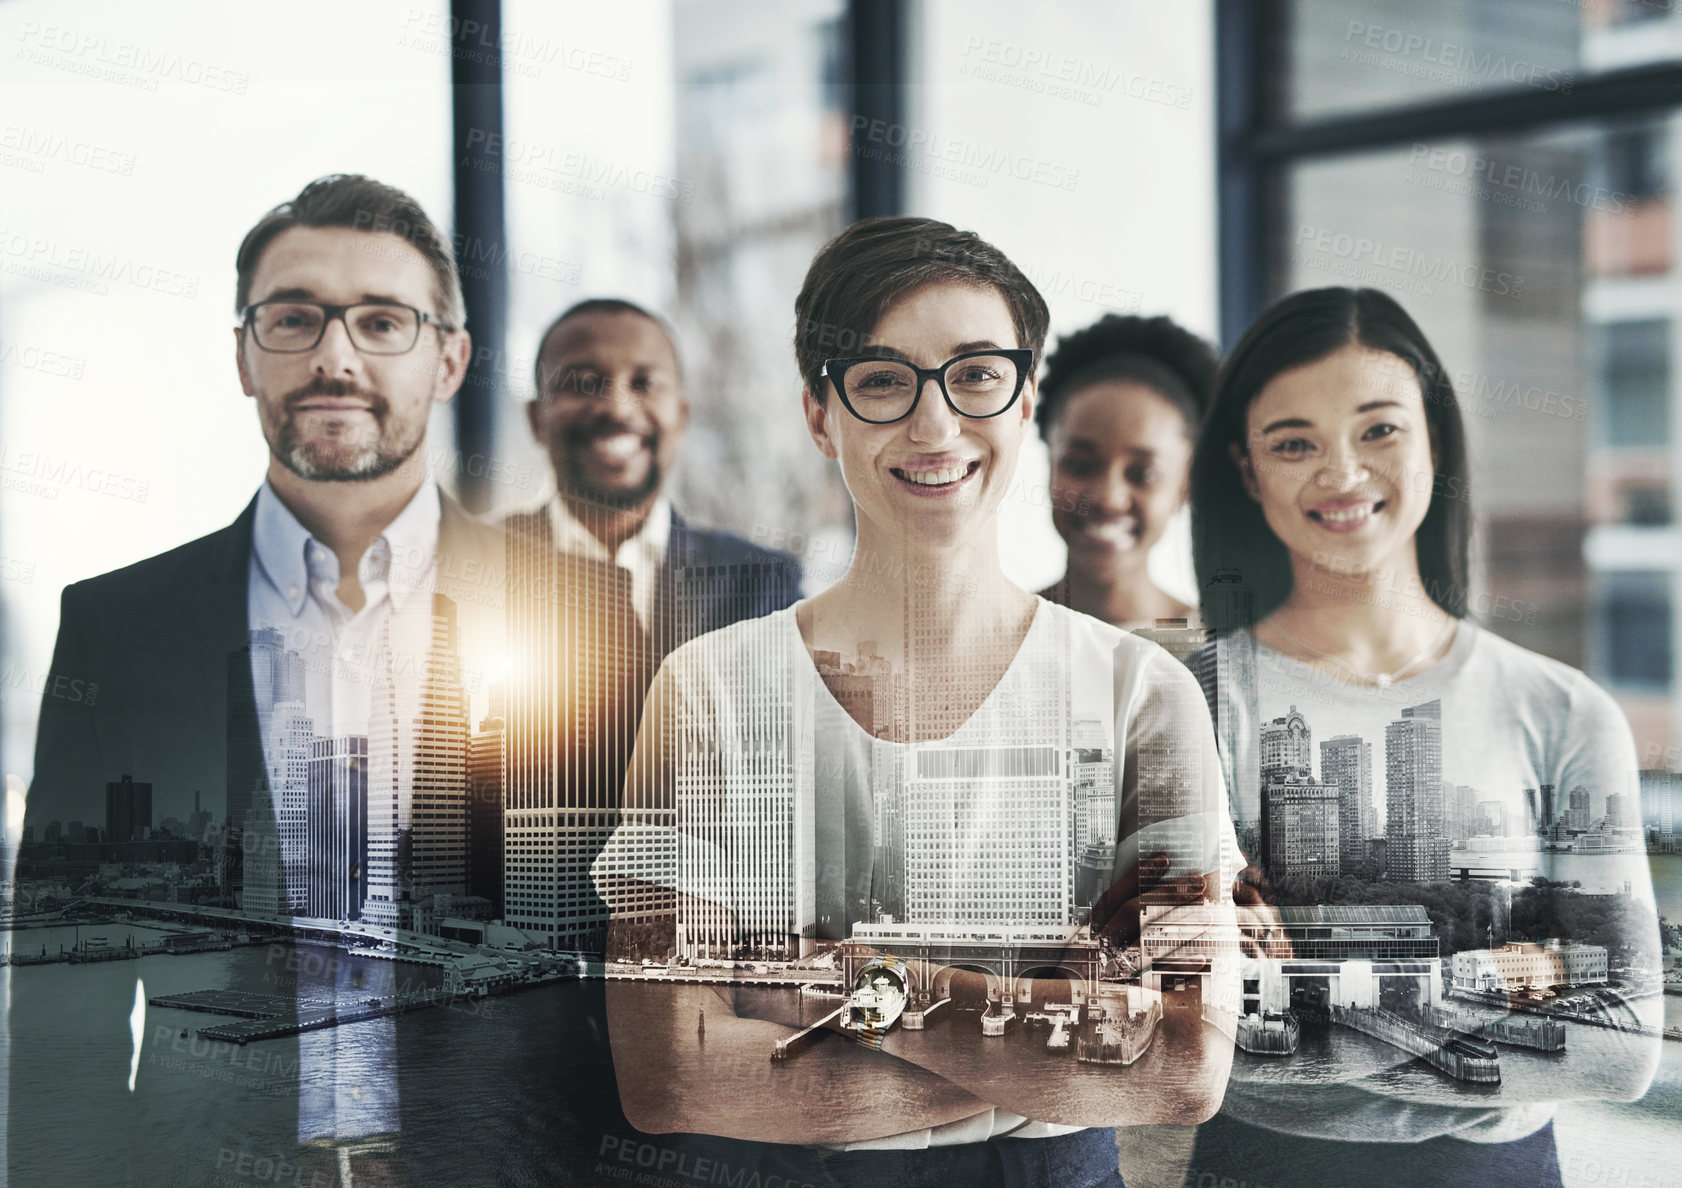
[(1256, 148)]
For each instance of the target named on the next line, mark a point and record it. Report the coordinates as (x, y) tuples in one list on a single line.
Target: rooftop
[(1361, 913)]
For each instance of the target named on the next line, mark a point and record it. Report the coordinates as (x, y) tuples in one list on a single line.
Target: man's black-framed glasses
[(375, 327), (976, 384)]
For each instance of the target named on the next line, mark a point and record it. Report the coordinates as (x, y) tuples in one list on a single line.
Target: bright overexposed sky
[(138, 143)]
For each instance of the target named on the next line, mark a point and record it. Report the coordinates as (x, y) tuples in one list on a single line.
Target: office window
[(1634, 373), (1634, 615), (1635, 160), (1629, 229), (1645, 505), (761, 146), (1353, 55)]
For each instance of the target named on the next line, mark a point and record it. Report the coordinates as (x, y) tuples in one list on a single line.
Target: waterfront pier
[(1535, 1032), (917, 1018), (272, 1016), (1275, 1033), (783, 1049), (1462, 1057), (1120, 1035)]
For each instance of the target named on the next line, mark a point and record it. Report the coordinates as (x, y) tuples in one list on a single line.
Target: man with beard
[(604, 581), (294, 663), (610, 411)]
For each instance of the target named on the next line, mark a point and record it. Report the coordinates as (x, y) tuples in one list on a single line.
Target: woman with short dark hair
[(923, 777), (1330, 513)]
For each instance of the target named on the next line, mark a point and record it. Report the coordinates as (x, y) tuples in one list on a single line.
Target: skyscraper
[(263, 884), (888, 787), (260, 675), (1092, 768), (1009, 861), (1464, 817), (1659, 799), (486, 751), (291, 733), (128, 810), (867, 688), (988, 828), (1346, 764), (1168, 813), (1228, 605), (1287, 745), (1577, 816), (438, 785), (417, 776), (1228, 601), (198, 825), (338, 835), (1417, 849), (573, 707), (1492, 818), (1175, 636), (1301, 826), (734, 805)]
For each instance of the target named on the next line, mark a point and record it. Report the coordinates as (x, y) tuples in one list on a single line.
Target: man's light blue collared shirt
[(347, 1083)]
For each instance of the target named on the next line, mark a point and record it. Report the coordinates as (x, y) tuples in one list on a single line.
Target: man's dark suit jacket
[(580, 613), (752, 581), (140, 675), (142, 684), (585, 665)]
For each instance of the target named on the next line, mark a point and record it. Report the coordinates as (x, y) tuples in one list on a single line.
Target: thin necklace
[(1382, 679)]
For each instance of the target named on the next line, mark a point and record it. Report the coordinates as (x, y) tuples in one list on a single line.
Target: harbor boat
[(1274, 1033), (89, 956), (1120, 1040), (1311, 1004)]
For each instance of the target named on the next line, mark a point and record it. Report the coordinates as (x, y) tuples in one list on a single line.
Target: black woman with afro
[(1121, 402)]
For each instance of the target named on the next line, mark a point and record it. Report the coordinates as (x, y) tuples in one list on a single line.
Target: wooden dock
[(272, 1016), (1463, 1057), (242, 1004), (783, 1049), (1532, 1031), (92, 956), (1616, 1016), (1121, 1037)]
